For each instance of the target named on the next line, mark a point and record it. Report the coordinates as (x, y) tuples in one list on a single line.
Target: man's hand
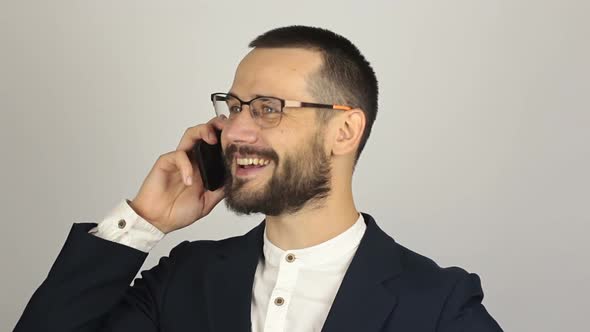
[(172, 195)]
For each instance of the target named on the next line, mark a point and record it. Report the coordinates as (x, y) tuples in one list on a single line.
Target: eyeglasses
[(266, 111)]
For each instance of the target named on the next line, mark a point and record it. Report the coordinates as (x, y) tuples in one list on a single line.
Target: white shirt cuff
[(123, 225)]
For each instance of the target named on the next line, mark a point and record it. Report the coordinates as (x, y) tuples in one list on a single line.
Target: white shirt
[(293, 290)]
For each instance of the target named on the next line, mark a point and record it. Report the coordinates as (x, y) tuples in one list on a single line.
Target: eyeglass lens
[(266, 111)]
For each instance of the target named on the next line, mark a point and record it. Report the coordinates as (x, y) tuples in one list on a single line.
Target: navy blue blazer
[(207, 286)]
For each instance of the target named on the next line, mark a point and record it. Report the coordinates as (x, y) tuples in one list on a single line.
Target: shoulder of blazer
[(205, 251), (423, 272), (417, 271)]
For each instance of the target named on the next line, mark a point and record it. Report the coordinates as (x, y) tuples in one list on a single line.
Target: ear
[(350, 128)]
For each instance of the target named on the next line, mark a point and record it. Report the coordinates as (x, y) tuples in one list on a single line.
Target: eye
[(270, 106), (267, 109), (235, 109)]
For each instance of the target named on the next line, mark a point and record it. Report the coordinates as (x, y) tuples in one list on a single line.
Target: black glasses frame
[(284, 102)]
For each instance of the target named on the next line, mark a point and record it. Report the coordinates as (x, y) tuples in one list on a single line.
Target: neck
[(314, 223)]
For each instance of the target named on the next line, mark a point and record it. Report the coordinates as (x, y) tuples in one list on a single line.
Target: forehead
[(278, 72)]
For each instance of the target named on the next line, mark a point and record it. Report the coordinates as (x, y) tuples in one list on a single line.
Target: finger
[(192, 135), (185, 167), (205, 132), (218, 122)]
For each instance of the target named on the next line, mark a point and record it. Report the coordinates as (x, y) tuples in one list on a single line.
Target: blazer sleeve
[(88, 288), (463, 310)]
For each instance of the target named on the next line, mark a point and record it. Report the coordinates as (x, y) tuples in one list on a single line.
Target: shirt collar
[(334, 251)]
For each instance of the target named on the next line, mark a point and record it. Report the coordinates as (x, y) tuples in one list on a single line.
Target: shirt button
[(279, 301), (290, 258), (122, 223)]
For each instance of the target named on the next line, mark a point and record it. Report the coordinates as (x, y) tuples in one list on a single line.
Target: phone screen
[(209, 159)]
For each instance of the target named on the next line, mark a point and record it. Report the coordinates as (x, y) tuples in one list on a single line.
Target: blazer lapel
[(364, 299), (228, 283)]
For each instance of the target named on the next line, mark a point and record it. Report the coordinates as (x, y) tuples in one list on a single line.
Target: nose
[(241, 128)]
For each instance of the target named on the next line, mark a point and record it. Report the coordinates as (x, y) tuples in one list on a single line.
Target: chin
[(251, 182)]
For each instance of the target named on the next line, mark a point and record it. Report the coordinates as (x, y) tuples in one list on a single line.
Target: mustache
[(232, 149)]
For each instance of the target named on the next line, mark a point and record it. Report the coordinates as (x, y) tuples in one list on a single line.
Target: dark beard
[(301, 178)]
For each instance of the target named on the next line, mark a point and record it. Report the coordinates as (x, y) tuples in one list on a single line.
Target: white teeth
[(252, 161)]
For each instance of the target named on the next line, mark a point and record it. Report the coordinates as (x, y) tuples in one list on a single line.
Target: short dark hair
[(345, 77)]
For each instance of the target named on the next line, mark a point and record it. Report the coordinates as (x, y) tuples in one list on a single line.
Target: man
[(293, 125)]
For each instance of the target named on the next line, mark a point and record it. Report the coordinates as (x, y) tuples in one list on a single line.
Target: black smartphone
[(209, 159)]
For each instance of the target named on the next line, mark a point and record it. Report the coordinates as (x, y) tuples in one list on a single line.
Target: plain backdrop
[(479, 157)]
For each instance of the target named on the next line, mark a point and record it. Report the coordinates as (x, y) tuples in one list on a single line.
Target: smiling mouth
[(252, 162), (250, 167)]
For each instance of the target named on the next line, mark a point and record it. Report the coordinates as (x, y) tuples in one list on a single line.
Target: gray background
[(479, 156)]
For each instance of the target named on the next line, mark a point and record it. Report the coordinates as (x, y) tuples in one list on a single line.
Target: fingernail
[(189, 180)]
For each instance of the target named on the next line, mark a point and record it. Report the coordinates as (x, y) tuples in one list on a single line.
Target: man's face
[(293, 163)]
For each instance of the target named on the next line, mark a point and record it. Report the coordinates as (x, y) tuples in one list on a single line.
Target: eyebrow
[(255, 96)]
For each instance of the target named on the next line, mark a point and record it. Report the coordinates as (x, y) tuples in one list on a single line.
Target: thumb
[(212, 198)]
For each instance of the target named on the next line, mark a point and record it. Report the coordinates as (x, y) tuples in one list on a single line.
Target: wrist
[(138, 211)]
